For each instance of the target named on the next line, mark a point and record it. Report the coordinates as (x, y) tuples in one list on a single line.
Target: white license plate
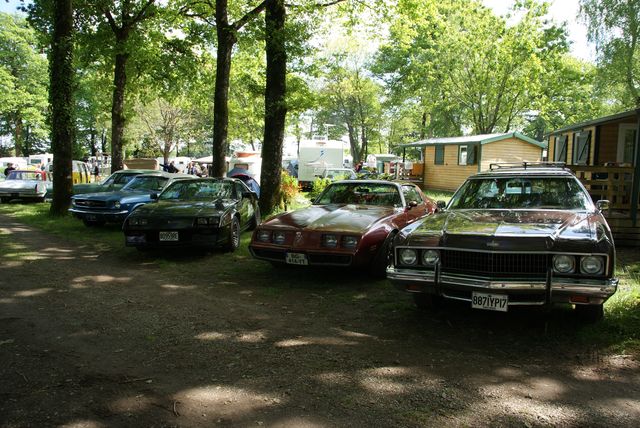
[(491, 302), (297, 259), (168, 236)]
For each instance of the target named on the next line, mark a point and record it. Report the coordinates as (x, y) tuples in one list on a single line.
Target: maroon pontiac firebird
[(352, 223)]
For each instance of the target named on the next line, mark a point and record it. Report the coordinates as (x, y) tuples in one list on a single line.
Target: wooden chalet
[(603, 154), (449, 161)]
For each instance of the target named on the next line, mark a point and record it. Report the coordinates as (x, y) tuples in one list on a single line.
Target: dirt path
[(97, 339)]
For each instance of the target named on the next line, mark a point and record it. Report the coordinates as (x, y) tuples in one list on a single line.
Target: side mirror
[(154, 196), (602, 205), (441, 205), (411, 204)]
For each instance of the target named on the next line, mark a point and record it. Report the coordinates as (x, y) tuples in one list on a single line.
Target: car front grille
[(487, 263), (87, 203)]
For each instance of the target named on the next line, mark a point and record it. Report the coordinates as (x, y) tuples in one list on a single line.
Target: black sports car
[(202, 212)]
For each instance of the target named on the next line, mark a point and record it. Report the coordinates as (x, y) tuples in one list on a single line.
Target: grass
[(438, 195)]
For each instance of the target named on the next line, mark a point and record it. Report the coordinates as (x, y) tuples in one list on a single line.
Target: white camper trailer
[(316, 156)]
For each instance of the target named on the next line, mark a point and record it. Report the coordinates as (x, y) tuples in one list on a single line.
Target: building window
[(560, 149), (439, 157), (462, 155), (581, 147), (626, 143)]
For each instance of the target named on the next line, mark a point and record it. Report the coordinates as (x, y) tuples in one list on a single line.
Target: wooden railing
[(612, 183)]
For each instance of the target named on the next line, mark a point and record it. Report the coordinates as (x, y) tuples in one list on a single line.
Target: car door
[(413, 194)]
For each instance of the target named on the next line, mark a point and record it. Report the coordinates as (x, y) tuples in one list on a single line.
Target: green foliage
[(614, 25), (23, 86), (318, 186), (289, 190)]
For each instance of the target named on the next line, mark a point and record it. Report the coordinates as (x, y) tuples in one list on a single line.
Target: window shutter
[(560, 152), (581, 148), (471, 155)]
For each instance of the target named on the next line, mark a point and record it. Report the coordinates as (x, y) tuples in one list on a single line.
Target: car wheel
[(590, 313), (233, 241), (426, 301), (383, 258), (255, 221), (93, 223)]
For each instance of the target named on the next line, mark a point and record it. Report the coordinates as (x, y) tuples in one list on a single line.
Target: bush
[(319, 184), (289, 190)]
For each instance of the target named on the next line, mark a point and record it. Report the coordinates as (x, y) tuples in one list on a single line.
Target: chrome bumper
[(106, 213), (562, 289)]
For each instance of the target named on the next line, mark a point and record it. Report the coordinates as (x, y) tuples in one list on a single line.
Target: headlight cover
[(408, 256), (592, 265), (330, 241), (278, 238), (563, 263), (349, 241), (430, 257), (264, 236)]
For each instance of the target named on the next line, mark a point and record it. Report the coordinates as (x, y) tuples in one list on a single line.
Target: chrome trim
[(80, 211)]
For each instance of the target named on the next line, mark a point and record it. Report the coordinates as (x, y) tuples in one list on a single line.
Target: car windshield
[(24, 175), (361, 193), (198, 191), (118, 178), (521, 193), (339, 173), (155, 183)]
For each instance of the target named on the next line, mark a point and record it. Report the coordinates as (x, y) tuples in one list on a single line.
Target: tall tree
[(275, 103), (23, 83), (61, 72), (614, 25)]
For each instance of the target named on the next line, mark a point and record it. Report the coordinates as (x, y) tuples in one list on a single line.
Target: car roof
[(165, 174)]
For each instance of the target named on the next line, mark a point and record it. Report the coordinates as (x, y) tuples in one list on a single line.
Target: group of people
[(192, 168)]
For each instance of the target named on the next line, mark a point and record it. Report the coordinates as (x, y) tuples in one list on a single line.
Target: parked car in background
[(510, 237), (339, 174), (203, 212), (351, 224), (96, 209), (113, 182), (25, 185)]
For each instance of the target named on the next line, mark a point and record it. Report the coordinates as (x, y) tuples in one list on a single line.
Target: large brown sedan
[(528, 236), (352, 223)]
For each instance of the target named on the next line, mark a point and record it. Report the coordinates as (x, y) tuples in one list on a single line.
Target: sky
[(560, 11)]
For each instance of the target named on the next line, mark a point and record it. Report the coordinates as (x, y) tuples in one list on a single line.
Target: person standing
[(8, 169)]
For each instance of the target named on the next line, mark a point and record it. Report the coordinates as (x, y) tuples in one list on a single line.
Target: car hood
[(124, 197), (182, 208), (87, 188), (345, 218), (508, 229)]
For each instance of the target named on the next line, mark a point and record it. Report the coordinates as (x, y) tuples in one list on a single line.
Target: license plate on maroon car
[(491, 302), (297, 259), (168, 236)]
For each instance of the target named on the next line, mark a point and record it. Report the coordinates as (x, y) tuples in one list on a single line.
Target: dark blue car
[(96, 209)]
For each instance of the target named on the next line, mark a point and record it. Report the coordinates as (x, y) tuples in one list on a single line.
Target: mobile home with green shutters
[(449, 161), (604, 154)]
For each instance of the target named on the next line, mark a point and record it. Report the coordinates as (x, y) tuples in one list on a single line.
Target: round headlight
[(430, 257), (564, 264), (330, 241), (349, 241), (278, 237), (592, 265), (117, 204), (408, 256), (264, 236)]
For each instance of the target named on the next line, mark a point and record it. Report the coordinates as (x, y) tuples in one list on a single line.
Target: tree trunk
[(423, 125), (117, 107), (17, 135), (103, 142), (275, 105), (353, 142), (61, 74)]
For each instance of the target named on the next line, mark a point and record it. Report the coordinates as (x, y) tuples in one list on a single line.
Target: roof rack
[(527, 165)]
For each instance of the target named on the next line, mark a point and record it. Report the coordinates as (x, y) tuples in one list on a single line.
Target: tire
[(383, 257), (233, 240), (426, 301), (255, 221), (93, 223), (590, 313)]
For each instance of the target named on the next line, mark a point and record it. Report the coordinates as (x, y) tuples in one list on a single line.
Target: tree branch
[(111, 21), (139, 16), (249, 15)]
